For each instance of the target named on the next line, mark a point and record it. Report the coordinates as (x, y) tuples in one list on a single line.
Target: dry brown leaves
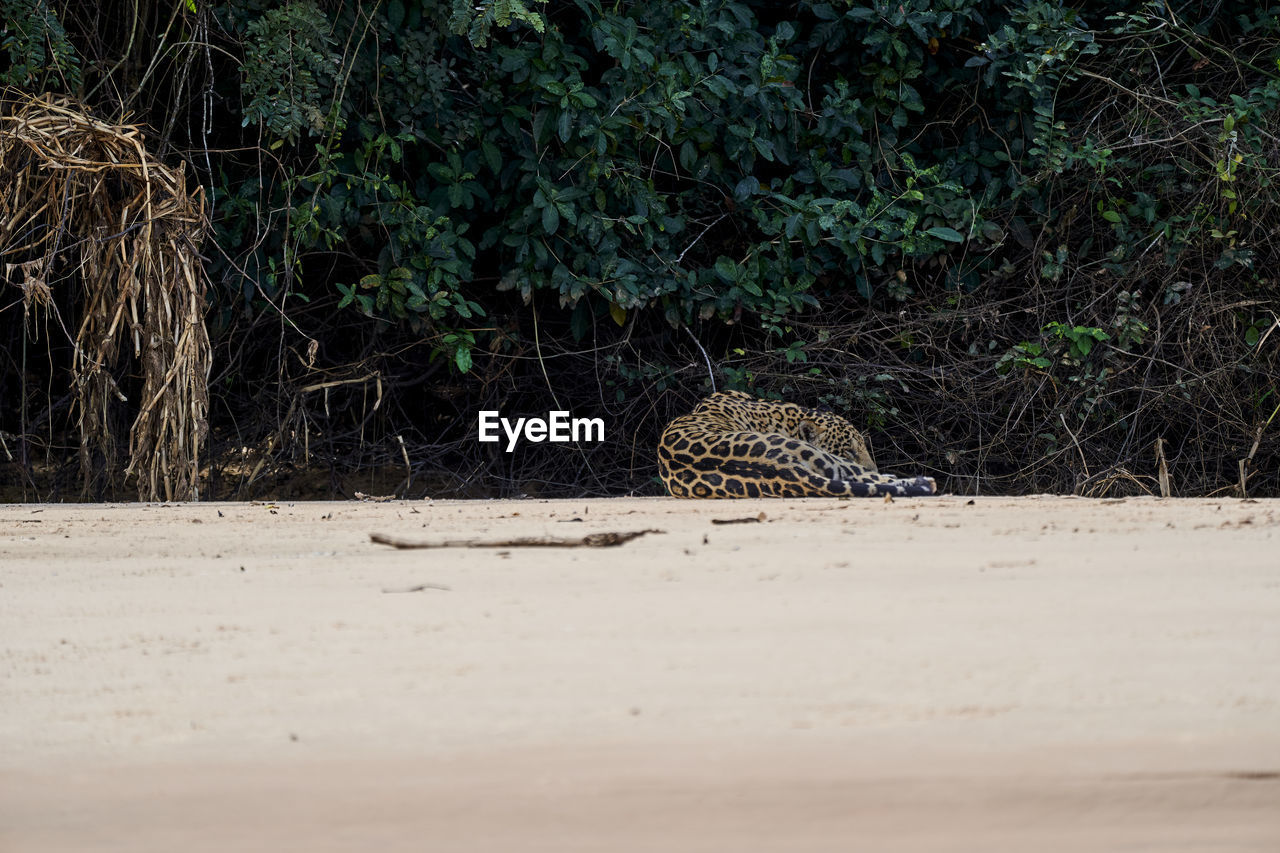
[(87, 206)]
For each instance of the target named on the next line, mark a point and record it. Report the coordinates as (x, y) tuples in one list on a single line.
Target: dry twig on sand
[(750, 519), (592, 540)]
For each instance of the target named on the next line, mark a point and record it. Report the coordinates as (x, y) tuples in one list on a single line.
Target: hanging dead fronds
[(87, 206)]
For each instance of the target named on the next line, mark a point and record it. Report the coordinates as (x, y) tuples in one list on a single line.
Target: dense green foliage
[(716, 159), (38, 51), (753, 173), (697, 159)]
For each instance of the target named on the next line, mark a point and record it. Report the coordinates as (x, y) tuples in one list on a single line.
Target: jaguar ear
[(807, 430)]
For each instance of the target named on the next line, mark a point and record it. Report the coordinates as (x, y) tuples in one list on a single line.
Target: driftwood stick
[(750, 519), (593, 540)]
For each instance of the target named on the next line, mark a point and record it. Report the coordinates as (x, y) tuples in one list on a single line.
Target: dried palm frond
[(87, 199)]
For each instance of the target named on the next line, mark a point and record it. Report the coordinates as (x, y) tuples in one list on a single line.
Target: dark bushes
[(1019, 243)]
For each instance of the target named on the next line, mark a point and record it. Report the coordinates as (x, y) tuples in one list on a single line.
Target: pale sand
[(1035, 674)]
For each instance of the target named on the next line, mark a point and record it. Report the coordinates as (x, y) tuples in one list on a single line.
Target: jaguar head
[(835, 435)]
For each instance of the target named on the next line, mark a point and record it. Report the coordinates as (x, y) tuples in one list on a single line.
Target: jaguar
[(734, 445)]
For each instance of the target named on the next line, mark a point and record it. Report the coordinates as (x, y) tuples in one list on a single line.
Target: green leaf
[(720, 87), (462, 358), (764, 146), (348, 295), (542, 127), (745, 188), (942, 232), (492, 156), (1111, 216), (1251, 336), (550, 219), (726, 269)]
